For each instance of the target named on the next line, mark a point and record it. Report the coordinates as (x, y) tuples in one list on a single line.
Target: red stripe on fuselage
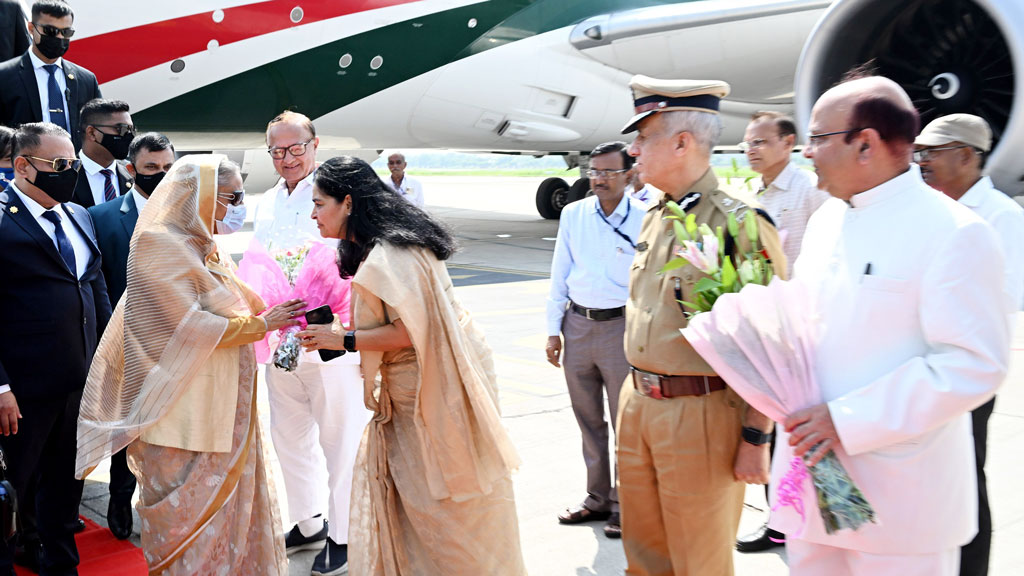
[(119, 53)]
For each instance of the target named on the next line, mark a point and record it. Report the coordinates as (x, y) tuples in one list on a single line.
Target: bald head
[(878, 104)]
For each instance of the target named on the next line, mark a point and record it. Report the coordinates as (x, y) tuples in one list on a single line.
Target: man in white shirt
[(408, 188), (951, 153), (318, 402), (107, 134), (589, 285), (914, 334), (788, 193)]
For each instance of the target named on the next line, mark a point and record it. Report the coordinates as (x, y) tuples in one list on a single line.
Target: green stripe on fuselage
[(312, 82)]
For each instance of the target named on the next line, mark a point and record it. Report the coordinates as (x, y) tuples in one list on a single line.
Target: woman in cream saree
[(174, 380), (432, 493)]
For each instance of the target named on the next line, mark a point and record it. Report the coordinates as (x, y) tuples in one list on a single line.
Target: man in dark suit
[(53, 306), (150, 157), (13, 33), (107, 133), (40, 85)]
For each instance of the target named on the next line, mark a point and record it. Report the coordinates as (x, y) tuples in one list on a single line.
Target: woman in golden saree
[(432, 493), (174, 380)]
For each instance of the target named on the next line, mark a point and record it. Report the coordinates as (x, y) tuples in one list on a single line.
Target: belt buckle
[(650, 384), (589, 310)]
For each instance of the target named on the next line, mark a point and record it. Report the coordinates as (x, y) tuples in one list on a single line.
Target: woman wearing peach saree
[(432, 493), (174, 379)]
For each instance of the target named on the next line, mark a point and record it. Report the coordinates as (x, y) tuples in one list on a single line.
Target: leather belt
[(660, 386), (598, 314)]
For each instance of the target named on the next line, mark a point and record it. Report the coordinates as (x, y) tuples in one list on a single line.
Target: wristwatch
[(751, 435), (350, 341)]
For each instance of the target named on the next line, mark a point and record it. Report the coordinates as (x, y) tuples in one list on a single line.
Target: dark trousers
[(974, 556), (595, 362), (42, 454), (122, 481)]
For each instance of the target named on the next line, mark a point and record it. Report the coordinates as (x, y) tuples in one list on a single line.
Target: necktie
[(63, 244), (109, 192), (56, 98)]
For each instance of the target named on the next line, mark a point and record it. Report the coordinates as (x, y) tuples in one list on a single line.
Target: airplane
[(530, 76)]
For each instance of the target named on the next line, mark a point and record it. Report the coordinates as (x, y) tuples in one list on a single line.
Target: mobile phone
[(323, 315)]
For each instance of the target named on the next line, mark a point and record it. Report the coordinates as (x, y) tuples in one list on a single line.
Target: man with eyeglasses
[(951, 153), (53, 306), (589, 284), (41, 86), (149, 158), (107, 132), (406, 186), (317, 414), (914, 333)]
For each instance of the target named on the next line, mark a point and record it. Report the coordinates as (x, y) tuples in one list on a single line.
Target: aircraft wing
[(752, 43)]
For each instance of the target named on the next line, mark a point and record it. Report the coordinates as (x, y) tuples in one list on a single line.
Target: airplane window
[(377, 62), (296, 15), (345, 61), (218, 16), (177, 66), (471, 23)]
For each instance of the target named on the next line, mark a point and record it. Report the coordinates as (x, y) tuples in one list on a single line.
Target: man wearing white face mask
[(317, 413)]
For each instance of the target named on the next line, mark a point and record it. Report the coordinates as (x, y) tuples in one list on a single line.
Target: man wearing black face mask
[(40, 85), (53, 306), (107, 134), (150, 156)]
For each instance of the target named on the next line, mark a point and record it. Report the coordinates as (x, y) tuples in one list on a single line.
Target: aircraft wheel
[(552, 196)]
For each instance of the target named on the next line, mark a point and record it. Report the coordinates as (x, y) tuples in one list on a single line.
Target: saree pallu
[(211, 513)]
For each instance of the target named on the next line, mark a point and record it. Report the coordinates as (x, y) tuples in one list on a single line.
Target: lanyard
[(616, 228)]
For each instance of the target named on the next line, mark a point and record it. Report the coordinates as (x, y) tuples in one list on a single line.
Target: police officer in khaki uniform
[(686, 443)]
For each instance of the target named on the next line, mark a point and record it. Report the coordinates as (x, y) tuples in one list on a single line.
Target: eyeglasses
[(48, 30), (814, 139), (592, 173), (295, 150), (925, 154), (58, 164), (752, 144), (237, 196), (121, 128)]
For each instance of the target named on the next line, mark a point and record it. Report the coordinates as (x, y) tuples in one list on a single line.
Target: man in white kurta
[(406, 186), (951, 152), (914, 335), (317, 413)]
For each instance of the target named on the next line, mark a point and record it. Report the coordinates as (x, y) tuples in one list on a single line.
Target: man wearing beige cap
[(686, 442), (951, 152)]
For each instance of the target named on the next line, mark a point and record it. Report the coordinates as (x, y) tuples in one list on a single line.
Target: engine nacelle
[(949, 55)]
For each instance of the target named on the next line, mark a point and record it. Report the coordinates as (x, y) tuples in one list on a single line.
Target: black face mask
[(52, 47), (148, 182), (57, 185), (117, 145)]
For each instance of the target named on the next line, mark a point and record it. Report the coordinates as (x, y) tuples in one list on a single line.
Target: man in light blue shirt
[(589, 286)]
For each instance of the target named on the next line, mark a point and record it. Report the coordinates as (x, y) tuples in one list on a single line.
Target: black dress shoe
[(580, 514), (79, 526), (294, 541), (764, 539), (27, 555), (119, 518)]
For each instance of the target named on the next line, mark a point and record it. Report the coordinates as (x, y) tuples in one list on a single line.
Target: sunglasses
[(237, 196), (122, 129), (49, 30), (58, 164)]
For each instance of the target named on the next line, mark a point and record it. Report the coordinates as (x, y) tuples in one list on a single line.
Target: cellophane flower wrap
[(310, 273), (760, 341)]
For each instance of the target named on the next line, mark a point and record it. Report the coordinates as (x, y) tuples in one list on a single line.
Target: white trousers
[(317, 417), (808, 559)]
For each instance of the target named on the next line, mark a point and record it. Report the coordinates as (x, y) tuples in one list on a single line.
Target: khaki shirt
[(653, 317)]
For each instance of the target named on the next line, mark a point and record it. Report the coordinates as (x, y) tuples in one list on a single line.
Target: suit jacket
[(908, 346), (19, 99), (50, 320), (83, 192), (115, 222), (14, 39)]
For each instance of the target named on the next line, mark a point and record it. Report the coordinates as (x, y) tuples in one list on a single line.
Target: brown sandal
[(581, 514)]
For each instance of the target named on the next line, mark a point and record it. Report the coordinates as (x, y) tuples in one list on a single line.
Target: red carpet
[(103, 555)]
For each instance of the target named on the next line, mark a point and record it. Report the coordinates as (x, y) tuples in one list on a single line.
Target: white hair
[(226, 172), (705, 127)]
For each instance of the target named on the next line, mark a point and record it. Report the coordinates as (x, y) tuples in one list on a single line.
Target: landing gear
[(554, 194)]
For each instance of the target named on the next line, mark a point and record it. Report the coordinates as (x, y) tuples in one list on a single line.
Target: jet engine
[(949, 55)]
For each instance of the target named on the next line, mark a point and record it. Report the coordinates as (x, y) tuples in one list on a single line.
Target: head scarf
[(179, 297)]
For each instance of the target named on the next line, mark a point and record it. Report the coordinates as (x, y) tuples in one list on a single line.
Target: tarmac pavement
[(501, 278)]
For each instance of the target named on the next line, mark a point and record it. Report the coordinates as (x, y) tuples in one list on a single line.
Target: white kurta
[(1007, 217), (905, 352)]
